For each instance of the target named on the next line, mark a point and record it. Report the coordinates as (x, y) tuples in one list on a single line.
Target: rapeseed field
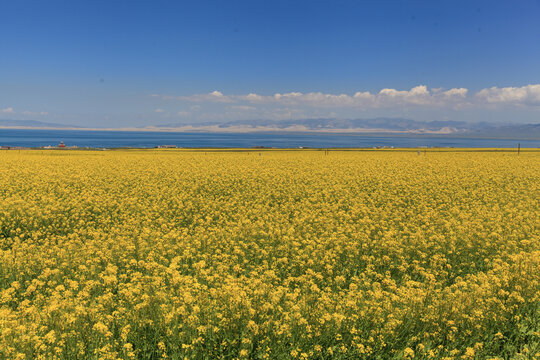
[(174, 254)]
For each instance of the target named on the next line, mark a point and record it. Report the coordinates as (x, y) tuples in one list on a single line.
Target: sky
[(141, 63)]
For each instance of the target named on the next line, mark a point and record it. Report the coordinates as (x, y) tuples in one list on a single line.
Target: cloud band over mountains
[(503, 104), (386, 98)]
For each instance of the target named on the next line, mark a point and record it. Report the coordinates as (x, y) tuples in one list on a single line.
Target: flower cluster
[(288, 254)]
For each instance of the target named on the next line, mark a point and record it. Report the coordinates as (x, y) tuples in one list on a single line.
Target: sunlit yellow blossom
[(184, 254), (408, 353)]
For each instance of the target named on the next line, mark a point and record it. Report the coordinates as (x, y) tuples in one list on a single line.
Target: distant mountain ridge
[(381, 125), (398, 124), (525, 131), (33, 124), (375, 125)]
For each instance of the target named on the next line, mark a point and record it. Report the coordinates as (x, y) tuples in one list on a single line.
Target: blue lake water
[(115, 139)]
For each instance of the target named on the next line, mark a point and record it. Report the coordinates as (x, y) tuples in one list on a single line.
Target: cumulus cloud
[(525, 95), (159, 110), (8, 110), (387, 98), (456, 92), (418, 95), (214, 96)]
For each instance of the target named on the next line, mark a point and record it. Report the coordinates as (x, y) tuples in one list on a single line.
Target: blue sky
[(133, 63)]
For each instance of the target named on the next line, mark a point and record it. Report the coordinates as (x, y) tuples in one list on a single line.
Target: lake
[(148, 139)]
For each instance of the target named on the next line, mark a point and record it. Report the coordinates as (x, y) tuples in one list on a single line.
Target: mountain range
[(386, 126), (32, 124)]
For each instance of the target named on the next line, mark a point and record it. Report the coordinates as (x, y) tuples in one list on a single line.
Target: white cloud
[(525, 95), (214, 96), (241, 107), (8, 110), (159, 110), (33, 113), (459, 92), (254, 97), (418, 95), (183, 113), (387, 98)]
